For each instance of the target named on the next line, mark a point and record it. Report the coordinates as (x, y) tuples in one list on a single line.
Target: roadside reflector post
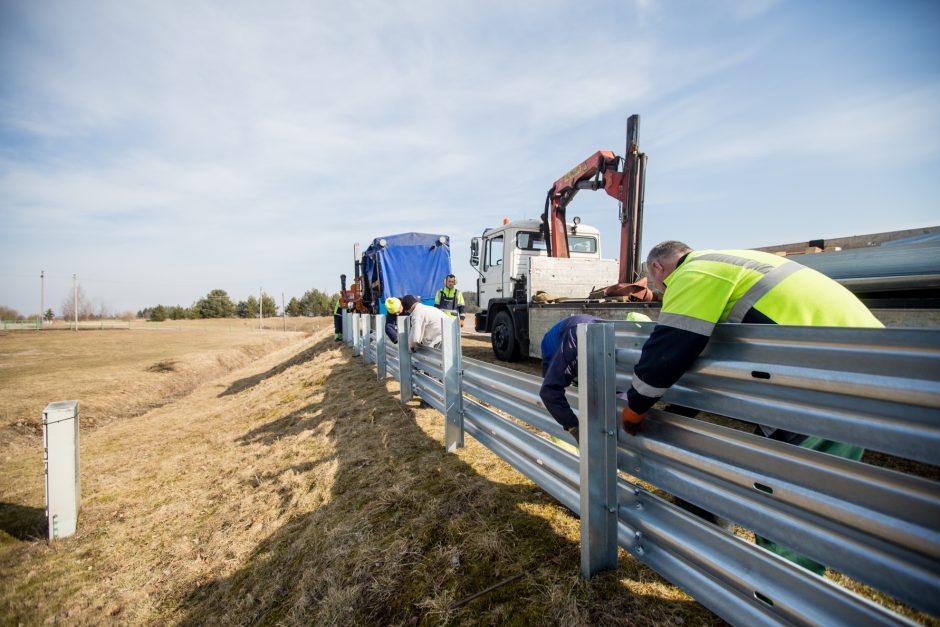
[(366, 339), (347, 327), (598, 429), (61, 456), (355, 334), (380, 362), (404, 358), (453, 384)]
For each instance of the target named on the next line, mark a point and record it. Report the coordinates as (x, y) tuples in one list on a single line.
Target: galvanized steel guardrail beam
[(876, 388), (875, 525)]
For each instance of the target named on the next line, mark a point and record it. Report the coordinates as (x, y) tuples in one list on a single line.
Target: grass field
[(294, 490), (237, 477), (119, 372)]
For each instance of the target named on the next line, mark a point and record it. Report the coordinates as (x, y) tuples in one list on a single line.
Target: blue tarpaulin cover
[(408, 263)]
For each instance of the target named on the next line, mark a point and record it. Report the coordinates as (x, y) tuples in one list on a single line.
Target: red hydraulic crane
[(624, 179)]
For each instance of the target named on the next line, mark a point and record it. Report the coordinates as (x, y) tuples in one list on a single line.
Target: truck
[(523, 291), (395, 265), (533, 273)]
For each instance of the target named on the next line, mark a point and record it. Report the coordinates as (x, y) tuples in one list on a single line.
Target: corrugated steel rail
[(878, 388)]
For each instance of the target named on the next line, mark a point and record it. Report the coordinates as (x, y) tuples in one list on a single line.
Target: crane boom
[(622, 178)]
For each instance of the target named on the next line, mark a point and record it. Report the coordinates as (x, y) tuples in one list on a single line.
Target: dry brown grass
[(121, 372), (298, 490), (294, 490)]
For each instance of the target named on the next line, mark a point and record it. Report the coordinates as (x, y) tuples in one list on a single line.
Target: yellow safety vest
[(712, 286)]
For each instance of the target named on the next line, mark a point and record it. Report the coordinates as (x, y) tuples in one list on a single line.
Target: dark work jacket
[(560, 367), (391, 327)]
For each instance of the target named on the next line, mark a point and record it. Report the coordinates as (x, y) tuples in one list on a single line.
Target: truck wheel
[(503, 337)]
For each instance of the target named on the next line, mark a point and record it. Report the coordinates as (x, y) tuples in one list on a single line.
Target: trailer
[(406, 263)]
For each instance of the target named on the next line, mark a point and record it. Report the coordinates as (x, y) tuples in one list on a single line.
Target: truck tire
[(503, 337)]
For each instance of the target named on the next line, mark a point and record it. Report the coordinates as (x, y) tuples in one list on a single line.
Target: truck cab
[(503, 258)]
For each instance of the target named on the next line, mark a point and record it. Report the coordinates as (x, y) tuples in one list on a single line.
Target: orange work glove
[(461, 323), (632, 421)]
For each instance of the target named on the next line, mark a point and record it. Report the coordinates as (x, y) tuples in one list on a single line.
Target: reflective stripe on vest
[(757, 291), (447, 301), (686, 323), (773, 276), (734, 260)]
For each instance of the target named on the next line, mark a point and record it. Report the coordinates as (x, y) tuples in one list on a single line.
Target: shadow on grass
[(300, 358), (23, 522), (406, 532)]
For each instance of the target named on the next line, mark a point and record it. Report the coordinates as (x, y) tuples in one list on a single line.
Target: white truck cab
[(514, 265), (503, 256)]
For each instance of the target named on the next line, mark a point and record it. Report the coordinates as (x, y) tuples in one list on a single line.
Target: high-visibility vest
[(712, 286), (448, 298)]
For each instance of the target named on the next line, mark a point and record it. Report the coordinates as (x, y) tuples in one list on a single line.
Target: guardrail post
[(598, 447), (366, 338), (356, 340), (404, 358), (380, 367), (345, 316), (453, 384)]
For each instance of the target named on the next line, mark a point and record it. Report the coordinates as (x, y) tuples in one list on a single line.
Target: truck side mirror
[(475, 252)]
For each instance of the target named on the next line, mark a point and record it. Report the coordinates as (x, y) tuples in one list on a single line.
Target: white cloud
[(225, 133)]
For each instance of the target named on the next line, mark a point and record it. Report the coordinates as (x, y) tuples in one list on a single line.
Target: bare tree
[(86, 308)]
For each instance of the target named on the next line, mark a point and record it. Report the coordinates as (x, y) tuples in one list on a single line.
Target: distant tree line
[(8, 313), (215, 304), (218, 304)]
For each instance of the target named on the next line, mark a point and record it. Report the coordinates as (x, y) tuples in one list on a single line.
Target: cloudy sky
[(162, 149)]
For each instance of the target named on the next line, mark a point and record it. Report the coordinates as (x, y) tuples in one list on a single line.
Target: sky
[(159, 150)]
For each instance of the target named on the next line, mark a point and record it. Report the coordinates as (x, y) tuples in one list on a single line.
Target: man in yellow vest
[(703, 288), (337, 323), (449, 299)]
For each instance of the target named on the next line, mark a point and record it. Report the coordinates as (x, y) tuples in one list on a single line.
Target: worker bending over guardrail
[(703, 288)]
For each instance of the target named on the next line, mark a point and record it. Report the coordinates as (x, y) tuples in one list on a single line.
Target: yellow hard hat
[(393, 305), (635, 316)]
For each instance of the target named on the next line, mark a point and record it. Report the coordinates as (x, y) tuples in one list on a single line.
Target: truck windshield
[(526, 240)]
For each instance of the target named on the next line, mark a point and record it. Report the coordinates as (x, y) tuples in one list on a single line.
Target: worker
[(393, 307), (337, 323), (449, 299), (703, 288), (560, 366), (425, 323), (560, 369)]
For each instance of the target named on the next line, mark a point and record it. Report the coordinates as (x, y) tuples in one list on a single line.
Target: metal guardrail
[(878, 388)]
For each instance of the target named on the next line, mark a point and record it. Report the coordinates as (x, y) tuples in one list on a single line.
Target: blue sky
[(163, 149)]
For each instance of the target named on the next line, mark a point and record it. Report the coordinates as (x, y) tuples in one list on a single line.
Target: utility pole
[(42, 297), (260, 308), (284, 311), (75, 298)]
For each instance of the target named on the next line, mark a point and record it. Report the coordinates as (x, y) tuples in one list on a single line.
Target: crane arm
[(622, 178)]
